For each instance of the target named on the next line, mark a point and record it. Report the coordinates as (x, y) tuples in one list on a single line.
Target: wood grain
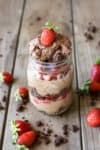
[(86, 53), (60, 14), (10, 14)]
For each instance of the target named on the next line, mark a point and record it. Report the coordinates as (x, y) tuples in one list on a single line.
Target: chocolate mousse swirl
[(58, 51)]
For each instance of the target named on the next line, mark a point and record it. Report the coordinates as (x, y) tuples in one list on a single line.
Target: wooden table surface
[(19, 23)]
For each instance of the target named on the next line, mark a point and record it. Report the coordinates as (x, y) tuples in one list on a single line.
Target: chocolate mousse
[(50, 71)]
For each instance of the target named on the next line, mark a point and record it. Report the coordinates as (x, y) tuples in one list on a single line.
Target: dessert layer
[(52, 87), (60, 95), (58, 51), (54, 107)]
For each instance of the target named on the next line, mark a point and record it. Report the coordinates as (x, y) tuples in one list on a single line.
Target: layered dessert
[(50, 71)]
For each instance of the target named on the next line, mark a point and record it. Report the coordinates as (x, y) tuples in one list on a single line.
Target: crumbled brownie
[(38, 18), (65, 130), (47, 140), (99, 43), (39, 123), (1, 39), (4, 98), (92, 29), (1, 107), (1, 55), (19, 108), (48, 131), (59, 140), (75, 128), (88, 36)]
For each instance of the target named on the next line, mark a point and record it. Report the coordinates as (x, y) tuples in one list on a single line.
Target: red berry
[(93, 117), (27, 138), (19, 127), (47, 37), (6, 77), (23, 91), (95, 73)]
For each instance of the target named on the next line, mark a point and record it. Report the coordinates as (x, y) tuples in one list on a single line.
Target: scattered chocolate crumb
[(38, 18), (26, 120), (88, 36), (16, 114), (23, 117), (4, 98), (1, 55), (19, 108), (99, 43), (59, 140), (1, 39), (48, 131), (39, 123), (65, 130), (92, 29), (1, 107), (9, 32), (47, 140), (75, 128)]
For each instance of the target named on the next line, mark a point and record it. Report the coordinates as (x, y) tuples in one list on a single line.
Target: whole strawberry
[(27, 139), (19, 127), (6, 77), (48, 34), (93, 117), (21, 94), (95, 71)]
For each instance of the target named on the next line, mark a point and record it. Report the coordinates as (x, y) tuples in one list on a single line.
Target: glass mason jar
[(50, 85)]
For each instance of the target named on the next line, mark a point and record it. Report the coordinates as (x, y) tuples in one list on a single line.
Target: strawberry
[(47, 37), (6, 77), (95, 71), (91, 86), (93, 117), (48, 34), (27, 138), (21, 93), (19, 127)]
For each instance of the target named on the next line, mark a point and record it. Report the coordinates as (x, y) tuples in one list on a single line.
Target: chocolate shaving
[(39, 123), (1, 107), (59, 140)]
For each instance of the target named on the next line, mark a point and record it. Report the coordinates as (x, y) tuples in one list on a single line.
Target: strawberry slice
[(27, 138), (6, 77), (19, 127)]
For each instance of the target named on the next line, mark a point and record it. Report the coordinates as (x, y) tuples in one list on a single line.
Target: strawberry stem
[(85, 87), (49, 25), (98, 61)]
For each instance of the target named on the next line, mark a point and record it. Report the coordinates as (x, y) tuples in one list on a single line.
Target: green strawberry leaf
[(98, 61), (49, 25), (15, 129), (17, 95), (1, 77), (22, 147)]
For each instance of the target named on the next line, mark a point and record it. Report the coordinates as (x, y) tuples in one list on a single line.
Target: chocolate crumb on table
[(38, 18), (1, 107), (65, 130), (1, 55), (39, 123), (75, 128), (4, 99), (20, 108), (59, 140)]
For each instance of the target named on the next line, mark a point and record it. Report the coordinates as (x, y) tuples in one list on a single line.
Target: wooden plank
[(86, 54), (45, 9), (10, 14)]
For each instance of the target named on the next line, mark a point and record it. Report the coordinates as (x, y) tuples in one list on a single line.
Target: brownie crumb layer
[(58, 51)]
